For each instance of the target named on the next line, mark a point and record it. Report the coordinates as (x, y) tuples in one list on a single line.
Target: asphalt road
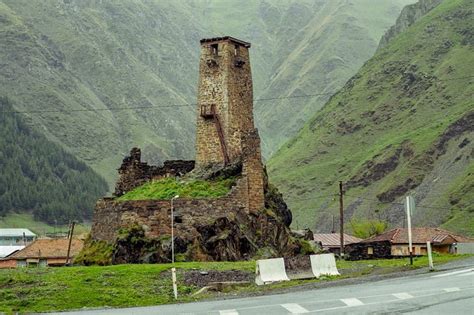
[(446, 292)]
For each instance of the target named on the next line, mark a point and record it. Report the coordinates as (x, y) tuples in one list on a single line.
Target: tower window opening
[(208, 111), (178, 219), (236, 50), (215, 49)]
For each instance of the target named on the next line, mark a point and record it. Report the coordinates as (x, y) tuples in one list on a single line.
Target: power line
[(399, 203), (195, 104), (318, 197), (421, 205), (96, 110)]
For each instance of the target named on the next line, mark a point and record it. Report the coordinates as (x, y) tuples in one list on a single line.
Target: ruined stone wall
[(253, 170), (133, 172), (155, 215), (224, 81)]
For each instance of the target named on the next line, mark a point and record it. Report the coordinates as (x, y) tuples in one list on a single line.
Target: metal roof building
[(16, 232), (16, 237), (8, 250)]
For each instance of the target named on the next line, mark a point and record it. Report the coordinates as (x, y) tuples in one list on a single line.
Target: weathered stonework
[(225, 82), (251, 217), (133, 172), (253, 170), (206, 229)]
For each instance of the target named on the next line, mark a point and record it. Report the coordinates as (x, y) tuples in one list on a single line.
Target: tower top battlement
[(225, 38)]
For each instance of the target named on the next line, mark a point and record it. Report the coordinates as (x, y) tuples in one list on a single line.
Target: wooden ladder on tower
[(209, 111)]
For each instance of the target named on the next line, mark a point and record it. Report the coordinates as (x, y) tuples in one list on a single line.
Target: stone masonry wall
[(155, 215), (230, 227), (224, 81), (133, 172), (253, 170)]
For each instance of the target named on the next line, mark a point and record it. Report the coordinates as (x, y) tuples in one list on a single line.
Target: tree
[(367, 228)]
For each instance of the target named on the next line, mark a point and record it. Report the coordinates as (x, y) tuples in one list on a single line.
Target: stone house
[(43, 252), (394, 243)]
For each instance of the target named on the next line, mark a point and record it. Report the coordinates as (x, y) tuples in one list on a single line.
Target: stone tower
[(225, 100), (225, 126)]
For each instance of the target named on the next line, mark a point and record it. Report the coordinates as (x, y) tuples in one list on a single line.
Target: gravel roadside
[(457, 264)]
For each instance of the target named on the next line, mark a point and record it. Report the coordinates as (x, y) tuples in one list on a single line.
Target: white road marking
[(403, 295), (455, 289), (352, 302), (466, 274), (452, 273), (228, 312), (294, 308)]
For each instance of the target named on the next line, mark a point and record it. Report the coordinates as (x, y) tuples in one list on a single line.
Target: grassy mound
[(165, 189), (95, 253)]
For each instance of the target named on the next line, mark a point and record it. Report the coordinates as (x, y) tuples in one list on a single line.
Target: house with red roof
[(43, 252), (394, 243), (331, 242)]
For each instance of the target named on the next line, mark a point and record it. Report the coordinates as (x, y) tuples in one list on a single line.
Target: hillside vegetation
[(404, 124), (39, 177), (76, 59)]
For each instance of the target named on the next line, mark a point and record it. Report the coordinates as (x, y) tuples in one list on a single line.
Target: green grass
[(55, 289), (36, 290), (165, 189), (26, 221)]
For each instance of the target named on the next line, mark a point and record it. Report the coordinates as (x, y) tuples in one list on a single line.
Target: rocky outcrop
[(380, 165), (211, 229), (425, 161), (274, 201), (409, 15), (205, 229), (234, 237)]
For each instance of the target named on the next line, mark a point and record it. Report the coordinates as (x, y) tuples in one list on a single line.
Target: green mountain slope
[(404, 124), (73, 56), (39, 177), (83, 55), (325, 47)]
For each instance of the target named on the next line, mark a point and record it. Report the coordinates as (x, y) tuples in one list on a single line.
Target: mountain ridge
[(399, 126), (92, 56)]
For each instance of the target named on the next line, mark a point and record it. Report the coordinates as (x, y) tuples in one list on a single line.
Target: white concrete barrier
[(323, 264), (270, 270), (465, 248)]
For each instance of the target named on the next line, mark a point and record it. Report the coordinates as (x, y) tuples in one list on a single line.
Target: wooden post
[(341, 217), (410, 202), (71, 233)]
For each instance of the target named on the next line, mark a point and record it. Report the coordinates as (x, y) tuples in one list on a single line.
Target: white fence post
[(430, 257), (175, 287)]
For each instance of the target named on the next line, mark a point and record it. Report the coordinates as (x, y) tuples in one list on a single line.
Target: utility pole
[(71, 233), (173, 269), (410, 207), (341, 216), (333, 230)]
